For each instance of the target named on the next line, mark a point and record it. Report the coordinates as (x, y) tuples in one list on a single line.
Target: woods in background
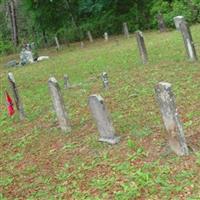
[(41, 20)]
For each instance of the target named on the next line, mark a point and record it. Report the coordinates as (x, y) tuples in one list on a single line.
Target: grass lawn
[(38, 161)]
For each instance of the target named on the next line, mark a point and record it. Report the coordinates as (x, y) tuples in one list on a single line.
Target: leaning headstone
[(103, 121), (106, 36), (90, 36), (66, 82), (104, 78), (175, 133), (161, 23), (57, 43), (188, 41), (125, 29), (17, 99), (142, 47), (178, 20), (58, 104)]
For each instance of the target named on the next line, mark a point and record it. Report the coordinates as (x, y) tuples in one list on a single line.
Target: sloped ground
[(38, 161)]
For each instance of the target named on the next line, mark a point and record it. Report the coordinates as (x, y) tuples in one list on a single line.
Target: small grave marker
[(58, 104), (57, 43), (125, 29), (142, 47), (66, 82), (161, 23), (175, 133), (106, 36), (90, 36), (104, 78), (17, 99), (103, 121)]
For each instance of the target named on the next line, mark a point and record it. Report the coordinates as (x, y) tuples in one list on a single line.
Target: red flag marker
[(10, 106)]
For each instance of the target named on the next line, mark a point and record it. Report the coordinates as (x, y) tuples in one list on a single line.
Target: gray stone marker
[(125, 29), (82, 44), (104, 78), (175, 133), (188, 41), (17, 99), (90, 36), (161, 23), (57, 43), (177, 21), (106, 36), (103, 121), (66, 82), (58, 104), (141, 46)]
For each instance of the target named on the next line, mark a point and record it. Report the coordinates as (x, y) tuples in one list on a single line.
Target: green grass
[(38, 161)]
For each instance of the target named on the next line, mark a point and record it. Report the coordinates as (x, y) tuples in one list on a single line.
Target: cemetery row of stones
[(181, 25), (165, 99), (164, 94)]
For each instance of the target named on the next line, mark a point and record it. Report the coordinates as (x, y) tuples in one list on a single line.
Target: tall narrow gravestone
[(106, 36), (103, 121), (58, 104), (175, 133), (184, 28), (161, 23), (125, 29), (90, 36), (17, 99), (104, 78), (66, 82), (57, 43), (142, 47)]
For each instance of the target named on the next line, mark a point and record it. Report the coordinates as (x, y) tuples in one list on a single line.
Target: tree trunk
[(13, 19)]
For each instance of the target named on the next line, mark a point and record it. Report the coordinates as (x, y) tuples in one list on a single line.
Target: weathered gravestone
[(11, 63), (103, 121), (104, 78), (26, 57), (177, 21), (58, 104), (161, 23), (125, 29), (17, 99), (175, 133), (142, 47), (90, 36), (188, 41), (57, 43), (106, 36), (82, 44), (66, 82)]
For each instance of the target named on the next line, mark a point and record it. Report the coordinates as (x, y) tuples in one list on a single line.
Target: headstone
[(142, 47), (17, 99), (106, 36), (161, 23), (82, 44), (90, 36), (66, 82), (188, 41), (104, 77), (11, 63), (125, 28), (175, 133), (103, 121), (26, 57), (178, 20), (41, 58), (58, 104), (57, 43)]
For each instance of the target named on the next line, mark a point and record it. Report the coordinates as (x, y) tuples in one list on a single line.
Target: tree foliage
[(40, 20)]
